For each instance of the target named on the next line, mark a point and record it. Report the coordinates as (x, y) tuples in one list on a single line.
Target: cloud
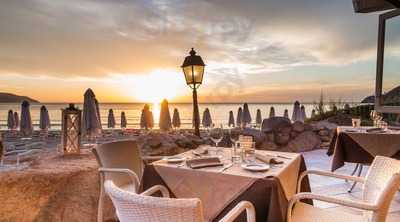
[(99, 37)]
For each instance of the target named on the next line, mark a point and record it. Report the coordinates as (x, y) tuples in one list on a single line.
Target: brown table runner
[(361, 146), (220, 192)]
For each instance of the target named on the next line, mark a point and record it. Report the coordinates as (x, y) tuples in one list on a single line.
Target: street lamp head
[(193, 68)]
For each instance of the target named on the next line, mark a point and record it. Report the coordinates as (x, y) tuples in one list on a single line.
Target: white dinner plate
[(174, 159), (255, 166)]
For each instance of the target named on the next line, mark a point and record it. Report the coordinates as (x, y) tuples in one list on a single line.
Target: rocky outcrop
[(341, 119), (281, 134), (161, 144), (275, 124)]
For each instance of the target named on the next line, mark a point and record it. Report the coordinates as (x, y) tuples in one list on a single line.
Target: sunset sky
[(131, 51)]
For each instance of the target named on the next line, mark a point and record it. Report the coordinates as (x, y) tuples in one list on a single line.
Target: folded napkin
[(372, 130), (204, 162), (268, 159), (351, 130), (394, 127)]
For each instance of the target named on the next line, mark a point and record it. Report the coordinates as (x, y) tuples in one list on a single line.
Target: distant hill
[(12, 98), (391, 97), (368, 99)]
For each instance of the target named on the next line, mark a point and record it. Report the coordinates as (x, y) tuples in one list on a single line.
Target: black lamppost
[(193, 68)]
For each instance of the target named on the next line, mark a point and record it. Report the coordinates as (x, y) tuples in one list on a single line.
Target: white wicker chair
[(379, 186), (133, 207), (120, 162)]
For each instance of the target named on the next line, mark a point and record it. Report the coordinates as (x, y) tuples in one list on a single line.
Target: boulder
[(275, 123), (305, 141), (325, 145), (268, 145), (257, 135), (269, 137), (326, 138), (307, 127), (185, 143), (298, 126), (341, 119), (324, 125), (281, 138), (323, 132)]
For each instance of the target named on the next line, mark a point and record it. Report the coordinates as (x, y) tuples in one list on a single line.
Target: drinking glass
[(234, 137), (383, 124), (248, 152)]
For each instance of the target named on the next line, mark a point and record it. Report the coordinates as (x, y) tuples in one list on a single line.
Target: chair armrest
[(164, 191), (348, 203), (130, 173), (327, 174), (238, 209)]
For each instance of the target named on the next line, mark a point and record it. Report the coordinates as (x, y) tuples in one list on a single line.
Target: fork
[(225, 167)]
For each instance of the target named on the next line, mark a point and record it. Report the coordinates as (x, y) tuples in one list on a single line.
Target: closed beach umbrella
[(26, 127), (165, 117), (16, 120), (91, 125), (111, 119), (303, 115), (207, 121), (258, 117), (239, 117), (10, 120), (296, 116), (143, 123), (286, 113), (146, 118), (44, 122), (231, 121), (272, 112), (176, 120), (123, 120), (246, 115), (313, 113), (150, 119)]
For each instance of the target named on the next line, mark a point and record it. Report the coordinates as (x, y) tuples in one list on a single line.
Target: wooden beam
[(366, 6)]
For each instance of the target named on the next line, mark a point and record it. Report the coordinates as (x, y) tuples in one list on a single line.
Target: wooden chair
[(379, 187)]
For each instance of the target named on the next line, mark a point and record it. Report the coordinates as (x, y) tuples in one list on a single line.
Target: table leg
[(354, 171), (358, 174)]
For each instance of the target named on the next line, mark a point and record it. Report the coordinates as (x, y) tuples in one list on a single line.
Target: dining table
[(221, 188), (361, 145)]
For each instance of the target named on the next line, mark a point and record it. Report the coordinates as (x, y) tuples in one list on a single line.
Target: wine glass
[(216, 134), (236, 153)]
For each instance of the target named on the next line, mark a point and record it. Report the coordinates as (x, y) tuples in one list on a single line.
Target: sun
[(155, 86)]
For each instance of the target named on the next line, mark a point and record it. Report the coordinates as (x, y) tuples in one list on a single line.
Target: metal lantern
[(193, 68), (71, 130)]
